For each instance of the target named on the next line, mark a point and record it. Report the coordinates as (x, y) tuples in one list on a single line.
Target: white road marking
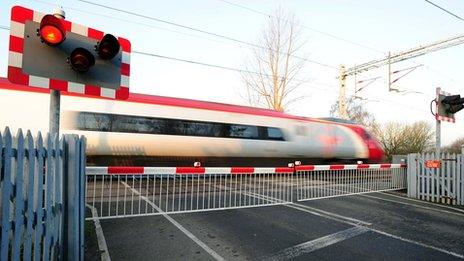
[(417, 243), (177, 224), (103, 248), (423, 202), (330, 214), (356, 223), (415, 205), (314, 211), (318, 243), (311, 210)]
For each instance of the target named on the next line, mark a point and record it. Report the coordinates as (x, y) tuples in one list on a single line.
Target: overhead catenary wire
[(206, 32), (230, 68), (243, 71), (445, 10), (201, 37), (139, 23), (211, 65), (204, 64), (304, 26), (313, 83)]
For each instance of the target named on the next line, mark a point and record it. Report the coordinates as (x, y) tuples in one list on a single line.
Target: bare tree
[(358, 114), (272, 71), (456, 146), (399, 139)]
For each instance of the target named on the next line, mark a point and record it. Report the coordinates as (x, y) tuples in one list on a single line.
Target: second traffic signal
[(448, 105), (453, 103)]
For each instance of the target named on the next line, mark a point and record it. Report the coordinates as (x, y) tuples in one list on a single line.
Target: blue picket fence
[(34, 206)]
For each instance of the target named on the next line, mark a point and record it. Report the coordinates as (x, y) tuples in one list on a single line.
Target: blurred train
[(148, 130)]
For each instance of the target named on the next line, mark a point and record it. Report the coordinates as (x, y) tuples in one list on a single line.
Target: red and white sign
[(19, 16), (433, 164)]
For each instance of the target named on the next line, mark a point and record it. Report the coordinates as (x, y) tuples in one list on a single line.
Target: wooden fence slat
[(61, 191), (81, 157), (442, 183), (7, 188), (411, 175), (453, 179), (461, 178), (427, 177), (422, 178), (48, 198), (57, 200), (39, 204), (447, 179), (457, 180), (19, 196), (1, 168), (30, 195), (433, 185)]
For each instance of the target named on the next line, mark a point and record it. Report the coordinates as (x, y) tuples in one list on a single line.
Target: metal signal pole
[(438, 138), (55, 101), (437, 128), (55, 96)]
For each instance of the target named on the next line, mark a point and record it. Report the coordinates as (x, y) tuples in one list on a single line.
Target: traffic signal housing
[(51, 30), (453, 103), (48, 51), (448, 105)]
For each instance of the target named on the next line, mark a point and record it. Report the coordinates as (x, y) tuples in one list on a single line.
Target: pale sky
[(381, 25)]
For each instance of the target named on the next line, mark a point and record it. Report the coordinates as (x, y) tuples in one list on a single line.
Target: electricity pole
[(389, 60), (342, 111)]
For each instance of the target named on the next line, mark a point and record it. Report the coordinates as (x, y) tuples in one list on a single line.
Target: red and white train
[(148, 130)]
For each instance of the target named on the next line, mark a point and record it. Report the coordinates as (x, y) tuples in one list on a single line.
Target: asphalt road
[(362, 227)]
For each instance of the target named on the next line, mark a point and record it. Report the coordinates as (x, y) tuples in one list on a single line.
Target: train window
[(94, 121), (274, 134), (243, 131), (138, 124), (191, 128)]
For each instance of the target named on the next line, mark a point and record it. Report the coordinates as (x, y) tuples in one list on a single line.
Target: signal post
[(446, 106), (46, 51), (49, 52)]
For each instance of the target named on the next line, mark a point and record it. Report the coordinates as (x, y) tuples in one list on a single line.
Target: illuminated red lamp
[(108, 47), (51, 30), (81, 60)]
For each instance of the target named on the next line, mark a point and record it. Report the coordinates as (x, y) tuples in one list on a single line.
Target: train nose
[(376, 152)]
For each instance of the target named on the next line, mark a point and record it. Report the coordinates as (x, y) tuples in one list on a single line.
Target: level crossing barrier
[(140, 191), (326, 181)]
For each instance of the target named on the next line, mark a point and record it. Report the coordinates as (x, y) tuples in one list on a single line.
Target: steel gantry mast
[(388, 60)]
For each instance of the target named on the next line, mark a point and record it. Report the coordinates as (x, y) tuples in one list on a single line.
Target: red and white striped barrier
[(117, 170), (347, 167), (117, 191), (120, 170)]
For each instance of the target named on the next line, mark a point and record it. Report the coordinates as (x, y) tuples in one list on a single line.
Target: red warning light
[(108, 47), (81, 60), (51, 30)]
